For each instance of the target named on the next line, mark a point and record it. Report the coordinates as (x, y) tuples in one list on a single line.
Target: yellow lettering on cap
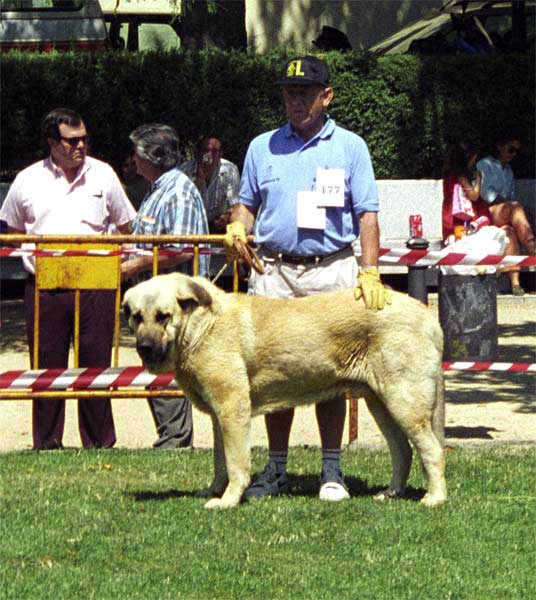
[(294, 69)]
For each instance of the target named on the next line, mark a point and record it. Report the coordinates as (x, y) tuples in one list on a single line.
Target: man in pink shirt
[(68, 193)]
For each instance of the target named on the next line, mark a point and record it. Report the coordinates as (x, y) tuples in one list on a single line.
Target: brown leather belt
[(304, 260)]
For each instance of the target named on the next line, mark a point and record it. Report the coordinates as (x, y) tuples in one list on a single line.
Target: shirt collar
[(325, 132), (164, 178), (59, 172)]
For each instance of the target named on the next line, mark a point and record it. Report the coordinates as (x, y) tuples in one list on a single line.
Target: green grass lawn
[(126, 524)]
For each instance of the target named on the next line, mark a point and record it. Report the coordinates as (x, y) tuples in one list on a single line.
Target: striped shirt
[(173, 206), (222, 190)]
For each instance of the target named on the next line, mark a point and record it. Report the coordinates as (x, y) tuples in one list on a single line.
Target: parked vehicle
[(45, 25), (469, 26), (142, 24)]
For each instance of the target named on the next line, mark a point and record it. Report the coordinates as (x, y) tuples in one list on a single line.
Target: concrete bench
[(400, 198)]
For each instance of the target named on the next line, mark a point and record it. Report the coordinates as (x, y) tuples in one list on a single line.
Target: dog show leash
[(247, 254)]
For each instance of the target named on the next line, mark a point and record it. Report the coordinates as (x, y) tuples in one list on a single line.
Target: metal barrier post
[(417, 287), (195, 267), (353, 418)]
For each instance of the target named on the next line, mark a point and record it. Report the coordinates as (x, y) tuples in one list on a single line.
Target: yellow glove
[(234, 229), (370, 288)]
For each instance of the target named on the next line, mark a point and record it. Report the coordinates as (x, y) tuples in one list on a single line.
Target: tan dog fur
[(236, 356)]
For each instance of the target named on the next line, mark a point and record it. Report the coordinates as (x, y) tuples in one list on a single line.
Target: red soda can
[(476, 225), (415, 226)]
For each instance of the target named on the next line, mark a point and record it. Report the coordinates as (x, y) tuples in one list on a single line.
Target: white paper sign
[(310, 216), (330, 187)]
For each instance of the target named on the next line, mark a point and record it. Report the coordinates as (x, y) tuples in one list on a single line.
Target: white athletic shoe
[(333, 491)]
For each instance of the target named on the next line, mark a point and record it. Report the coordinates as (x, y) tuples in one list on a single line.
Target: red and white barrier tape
[(19, 252), (399, 256), (425, 258), (489, 366), (93, 378)]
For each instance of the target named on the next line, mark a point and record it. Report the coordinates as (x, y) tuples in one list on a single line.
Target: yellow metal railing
[(94, 272), (83, 272)]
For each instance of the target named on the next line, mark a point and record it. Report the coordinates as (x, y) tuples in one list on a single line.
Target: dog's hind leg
[(233, 423), (399, 448), (411, 407), (433, 462)]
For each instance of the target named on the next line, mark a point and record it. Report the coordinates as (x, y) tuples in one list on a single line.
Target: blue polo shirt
[(279, 164)]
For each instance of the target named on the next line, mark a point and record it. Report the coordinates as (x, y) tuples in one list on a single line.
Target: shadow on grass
[(142, 496), (300, 485), (308, 485)]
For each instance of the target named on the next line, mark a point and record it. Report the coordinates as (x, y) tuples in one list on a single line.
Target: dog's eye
[(162, 318), (137, 318)]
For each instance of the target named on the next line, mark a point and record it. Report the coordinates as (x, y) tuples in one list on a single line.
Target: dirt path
[(481, 406)]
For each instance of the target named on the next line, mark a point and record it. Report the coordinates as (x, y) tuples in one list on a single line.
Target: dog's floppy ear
[(193, 297), (126, 310)]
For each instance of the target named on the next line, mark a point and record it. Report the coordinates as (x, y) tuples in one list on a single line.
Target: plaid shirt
[(173, 206), (222, 190)]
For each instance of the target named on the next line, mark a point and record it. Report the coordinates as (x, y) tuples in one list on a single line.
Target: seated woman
[(461, 170), (498, 188), (498, 191)]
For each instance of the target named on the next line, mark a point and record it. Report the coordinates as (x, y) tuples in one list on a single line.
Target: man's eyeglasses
[(512, 149), (74, 141)]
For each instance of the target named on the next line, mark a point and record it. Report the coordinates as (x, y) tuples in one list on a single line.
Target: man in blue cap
[(307, 193)]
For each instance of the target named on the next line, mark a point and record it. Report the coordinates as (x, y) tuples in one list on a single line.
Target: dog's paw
[(220, 503), (432, 500), (387, 495)]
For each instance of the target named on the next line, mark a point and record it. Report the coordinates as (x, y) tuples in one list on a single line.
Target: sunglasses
[(512, 150), (74, 141)]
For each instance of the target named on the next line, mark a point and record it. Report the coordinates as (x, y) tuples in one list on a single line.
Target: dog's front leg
[(234, 424), (221, 480)]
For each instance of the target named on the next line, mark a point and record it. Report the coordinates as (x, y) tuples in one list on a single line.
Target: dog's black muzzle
[(151, 352)]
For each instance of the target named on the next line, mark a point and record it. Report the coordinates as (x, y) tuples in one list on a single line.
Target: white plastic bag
[(488, 240)]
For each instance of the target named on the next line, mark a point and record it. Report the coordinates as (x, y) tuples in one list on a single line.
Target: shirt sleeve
[(249, 189), (12, 211), (119, 206), (363, 184), (488, 191), (233, 186)]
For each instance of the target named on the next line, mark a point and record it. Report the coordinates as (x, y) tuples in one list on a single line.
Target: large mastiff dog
[(236, 356)]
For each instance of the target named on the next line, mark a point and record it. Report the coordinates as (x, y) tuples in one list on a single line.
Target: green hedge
[(408, 108)]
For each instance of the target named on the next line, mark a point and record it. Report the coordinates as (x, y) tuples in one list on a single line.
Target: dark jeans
[(56, 326)]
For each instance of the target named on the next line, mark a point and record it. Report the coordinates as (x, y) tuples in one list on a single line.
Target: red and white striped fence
[(92, 378), (399, 256)]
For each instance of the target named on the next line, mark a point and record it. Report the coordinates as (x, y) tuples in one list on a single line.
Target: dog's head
[(163, 313)]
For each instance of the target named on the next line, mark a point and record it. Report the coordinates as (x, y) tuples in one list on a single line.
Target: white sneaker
[(333, 491)]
